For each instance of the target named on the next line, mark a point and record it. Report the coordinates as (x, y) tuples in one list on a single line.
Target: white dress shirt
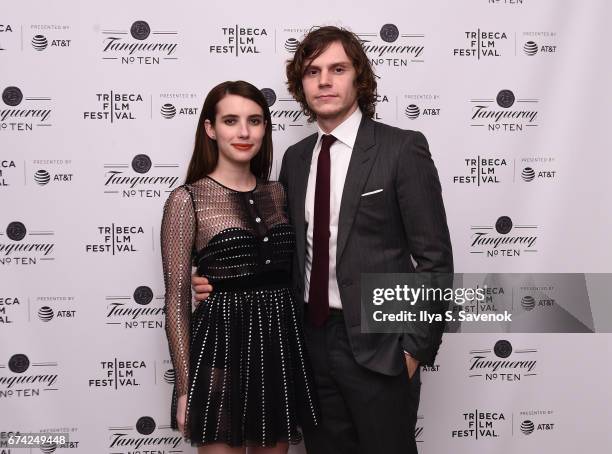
[(340, 156)]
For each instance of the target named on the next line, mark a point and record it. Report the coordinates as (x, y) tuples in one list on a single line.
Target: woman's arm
[(177, 238)]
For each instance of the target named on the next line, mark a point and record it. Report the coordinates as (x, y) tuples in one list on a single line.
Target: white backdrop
[(97, 119)]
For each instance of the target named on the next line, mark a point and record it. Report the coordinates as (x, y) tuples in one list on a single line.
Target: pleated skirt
[(250, 381)]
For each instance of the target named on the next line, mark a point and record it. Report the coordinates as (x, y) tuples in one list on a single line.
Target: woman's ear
[(210, 129)]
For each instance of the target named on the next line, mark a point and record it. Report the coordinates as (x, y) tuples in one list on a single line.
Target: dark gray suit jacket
[(378, 233)]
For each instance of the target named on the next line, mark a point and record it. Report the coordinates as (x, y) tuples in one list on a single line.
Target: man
[(364, 197)]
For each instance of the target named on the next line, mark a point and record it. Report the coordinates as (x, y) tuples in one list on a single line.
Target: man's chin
[(325, 114)]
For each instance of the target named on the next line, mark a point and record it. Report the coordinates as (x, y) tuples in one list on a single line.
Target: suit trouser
[(362, 411)]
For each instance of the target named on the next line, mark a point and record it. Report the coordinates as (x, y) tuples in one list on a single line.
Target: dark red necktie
[(318, 295)]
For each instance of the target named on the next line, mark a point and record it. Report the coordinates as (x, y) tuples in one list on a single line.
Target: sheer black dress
[(240, 355)]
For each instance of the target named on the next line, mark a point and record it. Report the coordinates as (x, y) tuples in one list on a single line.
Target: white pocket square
[(371, 192)]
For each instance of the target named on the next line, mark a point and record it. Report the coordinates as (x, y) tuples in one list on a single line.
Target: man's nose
[(324, 78)]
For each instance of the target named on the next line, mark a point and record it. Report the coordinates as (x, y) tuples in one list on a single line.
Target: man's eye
[(339, 70), (312, 72)]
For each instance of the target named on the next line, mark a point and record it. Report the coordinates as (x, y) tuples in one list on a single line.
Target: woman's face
[(239, 129)]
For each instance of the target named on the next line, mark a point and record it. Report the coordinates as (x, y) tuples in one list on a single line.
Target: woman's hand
[(181, 409)]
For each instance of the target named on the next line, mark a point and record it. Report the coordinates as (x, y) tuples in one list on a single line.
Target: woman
[(242, 377)]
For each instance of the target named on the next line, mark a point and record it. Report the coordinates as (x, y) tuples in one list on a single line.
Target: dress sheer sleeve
[(177, 238)]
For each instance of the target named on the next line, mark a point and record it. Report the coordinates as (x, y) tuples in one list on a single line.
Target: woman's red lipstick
[(243, 146)]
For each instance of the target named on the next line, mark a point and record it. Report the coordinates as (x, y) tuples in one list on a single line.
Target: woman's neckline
[(232, 189)]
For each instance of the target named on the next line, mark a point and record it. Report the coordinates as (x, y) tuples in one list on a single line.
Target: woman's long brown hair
[(206, 153)]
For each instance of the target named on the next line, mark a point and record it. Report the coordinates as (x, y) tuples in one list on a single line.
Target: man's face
[(329, 84)]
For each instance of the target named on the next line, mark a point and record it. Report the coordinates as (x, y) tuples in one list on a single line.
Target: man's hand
[(411, 363), (201, 288)]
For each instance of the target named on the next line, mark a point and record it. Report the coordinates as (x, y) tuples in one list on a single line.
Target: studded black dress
[(240, 355)]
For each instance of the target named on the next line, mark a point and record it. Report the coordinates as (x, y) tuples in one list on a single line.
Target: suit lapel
[(360, 164), (299, 205)]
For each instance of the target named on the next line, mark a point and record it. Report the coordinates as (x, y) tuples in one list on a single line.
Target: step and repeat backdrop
[(99, 107)]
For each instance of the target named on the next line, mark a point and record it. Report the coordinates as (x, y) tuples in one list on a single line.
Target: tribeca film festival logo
[(142, 309), (481, 170), (539, 43), (422, 106), (504, 239), (479, 424), (10, 308), (535, 421), (20, 113), (483, 44), (504, 113), (18, 246), (140, 45), (240, 40), (285, 112), (116, 107), (390, 48), (118, 373), (502, 363), (118, 240), (386, 107), (8, 38), (8, 172), (494, 301), (22, 378), (178, 105), (134, 181), (145, 437)]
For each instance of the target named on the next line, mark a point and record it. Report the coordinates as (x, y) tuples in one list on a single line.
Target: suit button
[(346, 283)]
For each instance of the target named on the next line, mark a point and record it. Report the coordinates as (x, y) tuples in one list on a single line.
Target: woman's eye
[(255, 121), (230, 121)]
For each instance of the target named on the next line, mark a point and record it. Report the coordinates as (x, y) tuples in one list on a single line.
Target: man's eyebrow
[(331, 65)]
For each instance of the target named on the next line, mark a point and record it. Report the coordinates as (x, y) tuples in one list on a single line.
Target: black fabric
[(362, 412), (239, 357)]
